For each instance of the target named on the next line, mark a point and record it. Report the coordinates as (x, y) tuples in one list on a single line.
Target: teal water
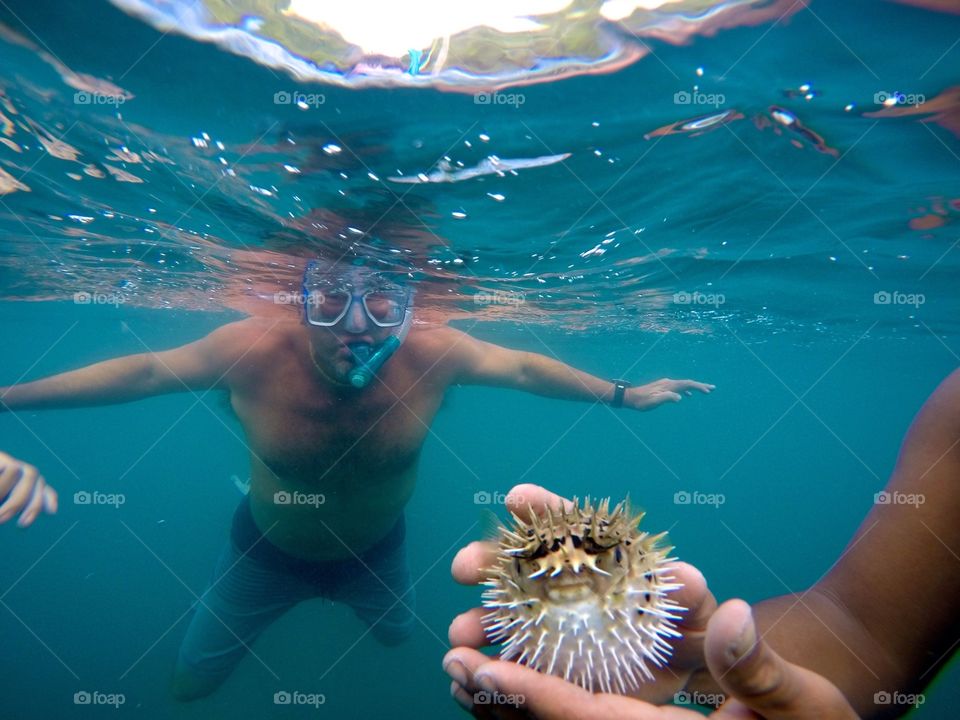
[(99, 597)]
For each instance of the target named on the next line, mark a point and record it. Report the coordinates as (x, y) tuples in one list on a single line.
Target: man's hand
[(651, 395), (23, 488), (751, 674), (466, 630)]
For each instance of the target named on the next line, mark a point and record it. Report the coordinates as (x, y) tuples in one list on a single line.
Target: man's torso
[(331, 468)]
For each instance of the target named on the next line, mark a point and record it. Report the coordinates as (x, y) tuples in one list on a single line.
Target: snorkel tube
[(369, 362)]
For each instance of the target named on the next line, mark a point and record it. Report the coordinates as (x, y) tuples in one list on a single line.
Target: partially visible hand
[(22, 488), (756, 681), (651, 395), (467, 631)]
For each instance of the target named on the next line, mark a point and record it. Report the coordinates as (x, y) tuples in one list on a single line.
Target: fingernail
[(486, 682), (461, 696), (745, 641), (457, 671)]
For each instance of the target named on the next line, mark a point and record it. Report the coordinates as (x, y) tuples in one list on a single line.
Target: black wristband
[(619, 389)]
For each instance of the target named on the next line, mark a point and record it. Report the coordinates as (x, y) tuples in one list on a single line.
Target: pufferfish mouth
[(567, 580), (569, 592), (568, 587)]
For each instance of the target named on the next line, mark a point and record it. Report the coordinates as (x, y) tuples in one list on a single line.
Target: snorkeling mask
[(329, 295)]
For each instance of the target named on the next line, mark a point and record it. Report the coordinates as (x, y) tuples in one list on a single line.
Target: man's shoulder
[(254, 337), (443, 349), (437, 339)]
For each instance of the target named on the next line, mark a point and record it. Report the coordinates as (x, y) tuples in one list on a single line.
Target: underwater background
[(744, 206)]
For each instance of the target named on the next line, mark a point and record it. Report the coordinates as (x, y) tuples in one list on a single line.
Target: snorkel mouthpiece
[(361, 352), (367, 364)]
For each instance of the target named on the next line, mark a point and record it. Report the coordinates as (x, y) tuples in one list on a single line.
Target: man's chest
[(304, 434)]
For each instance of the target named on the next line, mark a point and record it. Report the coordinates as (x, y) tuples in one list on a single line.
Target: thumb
[(753, 674)]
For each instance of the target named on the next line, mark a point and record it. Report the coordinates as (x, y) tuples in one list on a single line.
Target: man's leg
[(245, 596), (380, 591)]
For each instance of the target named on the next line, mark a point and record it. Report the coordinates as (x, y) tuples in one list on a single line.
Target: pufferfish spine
[(582, 594)]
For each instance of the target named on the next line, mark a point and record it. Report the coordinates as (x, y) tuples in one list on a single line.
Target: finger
[(465, 699), (20, 493), (547, 697), (666, 396), (749, 670), (700, 604), (466, 630), (460, 664), (9, 475), (485, 706), (524, 497), (51, 500), (460, 695), (689, 385), (692, 595), (470, 563), (34, 504)]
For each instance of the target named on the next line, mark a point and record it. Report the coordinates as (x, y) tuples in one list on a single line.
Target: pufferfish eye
[(533, 552), (594, 545)]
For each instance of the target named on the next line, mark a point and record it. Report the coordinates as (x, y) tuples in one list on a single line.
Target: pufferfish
[(583, 594)]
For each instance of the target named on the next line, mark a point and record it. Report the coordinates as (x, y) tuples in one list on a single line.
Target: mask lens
[(385, 307), (327, 308)]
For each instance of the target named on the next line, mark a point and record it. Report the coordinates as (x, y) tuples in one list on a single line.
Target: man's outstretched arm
[(482, 363), (892, 595), (882, 622), (198, 366), (872, 632)]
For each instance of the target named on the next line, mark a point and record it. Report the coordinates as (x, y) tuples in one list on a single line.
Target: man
[(335, 410), (862, 642)]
